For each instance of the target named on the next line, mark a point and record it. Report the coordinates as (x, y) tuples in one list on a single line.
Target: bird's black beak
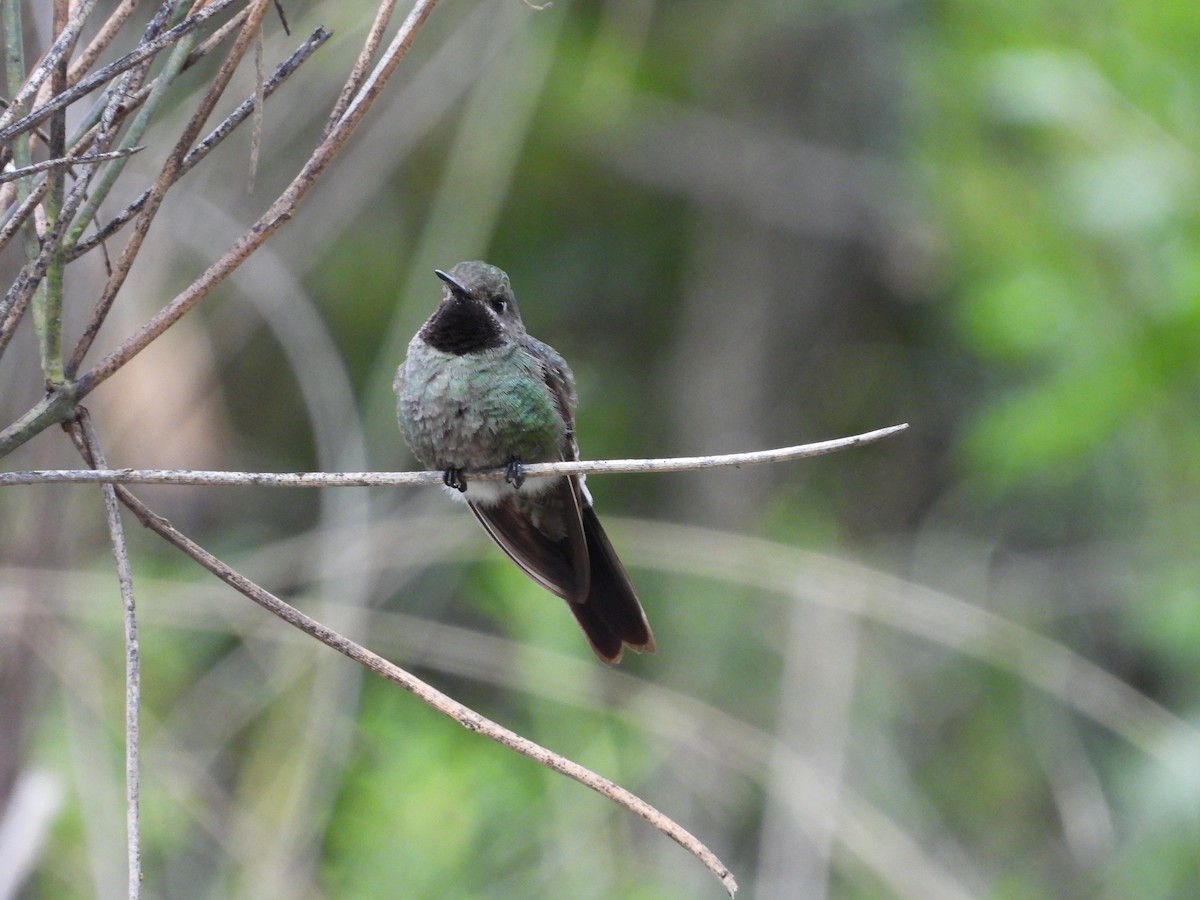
[(454, 285)]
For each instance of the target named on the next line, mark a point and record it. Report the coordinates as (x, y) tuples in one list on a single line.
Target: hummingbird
[(476, 392)]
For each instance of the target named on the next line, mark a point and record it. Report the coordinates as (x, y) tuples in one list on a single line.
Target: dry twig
[(448, 706), (65, 161), (389, 479), (60, 401), (83, 433)]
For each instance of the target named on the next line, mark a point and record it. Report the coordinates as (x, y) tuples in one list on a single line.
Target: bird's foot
[(455, 478), (514, 473)]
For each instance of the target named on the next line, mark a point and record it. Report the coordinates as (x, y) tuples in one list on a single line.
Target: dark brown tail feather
[(612, 615)]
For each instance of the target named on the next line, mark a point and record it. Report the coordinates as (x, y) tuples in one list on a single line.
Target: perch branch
[(387, 479)]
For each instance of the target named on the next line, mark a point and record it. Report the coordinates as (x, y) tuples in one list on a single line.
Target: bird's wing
[(543, 532), (544, 536)]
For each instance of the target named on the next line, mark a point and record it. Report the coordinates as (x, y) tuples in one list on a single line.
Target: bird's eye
[(498, 304)]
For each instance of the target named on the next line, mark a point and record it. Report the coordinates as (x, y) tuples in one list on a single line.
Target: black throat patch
[(462, 326)]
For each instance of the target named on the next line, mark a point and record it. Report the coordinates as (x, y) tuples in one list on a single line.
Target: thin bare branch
[(202, 149), (65, 161), (100, 42), (18, 217), (18, 152), (271, 221), (100, 126), (143, 52), (54, 408), (443, 703), (391, 479), (217, 38), (383, 15), (260, 97), (57, 53), (282, 18), (83, 433), (27, 281), (47, 309), (77, 154), (167, 177), (151, 99), (134, 94)]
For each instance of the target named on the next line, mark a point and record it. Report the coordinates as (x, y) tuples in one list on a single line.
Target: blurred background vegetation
[(962, 662)]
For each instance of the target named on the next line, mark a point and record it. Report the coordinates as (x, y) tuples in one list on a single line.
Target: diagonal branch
[(58, 51), (273, 219), (167, 177), (448, 706), (383, 15), (30, 277), (57, 407), (17, 218), (108, 31), (128, 61), (202, 149)]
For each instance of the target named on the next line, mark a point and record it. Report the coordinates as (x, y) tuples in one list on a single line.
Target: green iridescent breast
[(478, 410)]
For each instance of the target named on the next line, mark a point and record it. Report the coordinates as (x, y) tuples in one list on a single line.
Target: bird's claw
[(455, 478), (514, 473)]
